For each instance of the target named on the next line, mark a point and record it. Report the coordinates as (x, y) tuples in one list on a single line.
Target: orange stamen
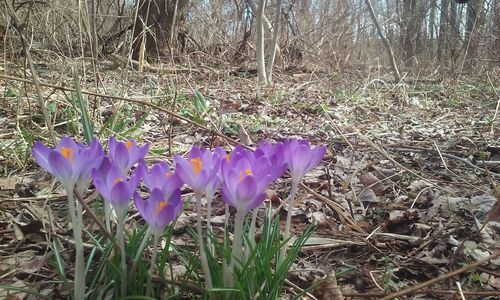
[(129, 145), (160, 206), (197, 165), (68, 154), (228, 158), (168, 174), (245, 173), (116, 180)]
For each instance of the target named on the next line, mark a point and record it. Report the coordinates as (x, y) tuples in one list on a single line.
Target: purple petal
[(61, 167), (196, 152), (140, 204), (114, 175), (120, 196), (112, 144), (317, 155), (41, 155), (168, 213), (300, 159), (227, 196), (139, 153), (121, 156), (256, 202), (183, 169), (100, 185), (246, 190)]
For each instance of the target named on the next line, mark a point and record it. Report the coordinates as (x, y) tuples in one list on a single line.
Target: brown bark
[(409, 31), (472, 30), (496, 30), (443, 31), (454, 33), (162, 21)]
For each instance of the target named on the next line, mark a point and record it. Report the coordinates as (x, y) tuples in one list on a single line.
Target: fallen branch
[(427, 283)]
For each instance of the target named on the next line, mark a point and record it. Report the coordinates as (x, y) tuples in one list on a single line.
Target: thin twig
[(427, 283), (429, 291), (46, 116), (460, 290)]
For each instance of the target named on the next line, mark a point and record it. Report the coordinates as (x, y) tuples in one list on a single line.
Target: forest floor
[(409, 180)]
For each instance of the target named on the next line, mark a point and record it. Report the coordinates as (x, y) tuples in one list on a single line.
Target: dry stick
[(384, 40), (439, 292), (335, 206), (498, 104), (441, 278), (142, 102), (46, 116), (447, 155), (381, 151)]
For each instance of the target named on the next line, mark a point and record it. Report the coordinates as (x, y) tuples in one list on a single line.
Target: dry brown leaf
[(8, 183), (330, 289), (370, 180)]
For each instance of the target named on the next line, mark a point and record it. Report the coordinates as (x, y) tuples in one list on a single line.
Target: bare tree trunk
[(266, 22), (161, 17), (443, 31), (93, 31), (261, 63), (409, 31), (432, 19), (274, 45), (394, 67), (454, 35), (472, 31), (496, 29)]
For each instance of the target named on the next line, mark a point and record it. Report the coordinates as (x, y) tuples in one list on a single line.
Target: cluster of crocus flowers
[(71, 163), (242, 176)]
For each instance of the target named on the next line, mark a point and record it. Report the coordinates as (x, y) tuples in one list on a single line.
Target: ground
[(403, 195)]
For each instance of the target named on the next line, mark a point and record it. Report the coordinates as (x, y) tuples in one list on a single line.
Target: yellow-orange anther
[(246, 173), (68, 154), (129, 145), (116, 180), (160, 206), (168, 174), (228, 158), (197, 165)]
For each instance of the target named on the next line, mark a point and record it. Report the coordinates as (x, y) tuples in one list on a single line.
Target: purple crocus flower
[(246, 178), (300, 158), (160, 177), (157, 210), (201, 170), (275, 152), (111, 182), (70, 162), (126, 154)]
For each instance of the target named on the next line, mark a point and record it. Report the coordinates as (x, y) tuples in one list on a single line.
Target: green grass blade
[(86, 123)]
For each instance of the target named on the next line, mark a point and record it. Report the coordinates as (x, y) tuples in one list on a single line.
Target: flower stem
[(211, 246), (203, 255), (238, 241), (291, 201), (121, 241), (75, 213), (107, 215), (226, 271), (156, 239)]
